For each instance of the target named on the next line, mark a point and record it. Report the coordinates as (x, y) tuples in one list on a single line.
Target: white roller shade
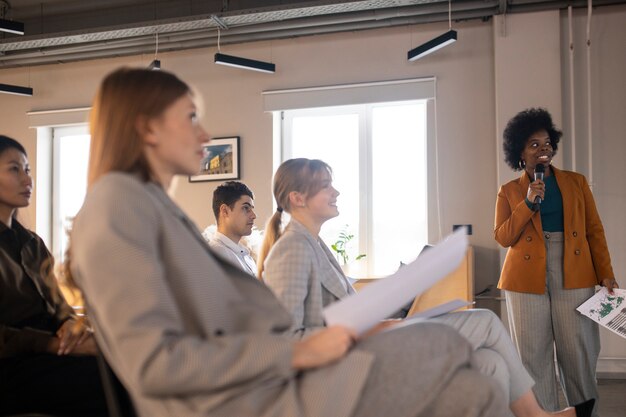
[(64, 117), (348, 94)]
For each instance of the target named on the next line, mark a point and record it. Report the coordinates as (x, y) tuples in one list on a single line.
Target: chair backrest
[(117, 398), (459, 284)]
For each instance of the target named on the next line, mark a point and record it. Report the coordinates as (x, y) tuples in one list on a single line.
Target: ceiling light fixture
[(155, 65), (239, 62), (9, 26), (437, 43), (245, 63), (16, 89), (432, 45)]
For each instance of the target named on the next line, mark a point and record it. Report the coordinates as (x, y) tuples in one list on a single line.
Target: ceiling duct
[(59, 31)]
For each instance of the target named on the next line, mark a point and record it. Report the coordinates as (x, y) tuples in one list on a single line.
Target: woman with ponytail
[(305, 276), (304, 177), (296, 263), (188, 333)]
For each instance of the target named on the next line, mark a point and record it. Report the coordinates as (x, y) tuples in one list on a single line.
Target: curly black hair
[(523, 126)]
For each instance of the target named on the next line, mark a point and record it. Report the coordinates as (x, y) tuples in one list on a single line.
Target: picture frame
[(221, 160)]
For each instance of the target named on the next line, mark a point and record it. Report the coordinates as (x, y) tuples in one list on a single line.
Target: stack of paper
[(381, 299)]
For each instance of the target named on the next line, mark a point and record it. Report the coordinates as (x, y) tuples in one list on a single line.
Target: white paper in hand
[(379, 300), (607, 310)]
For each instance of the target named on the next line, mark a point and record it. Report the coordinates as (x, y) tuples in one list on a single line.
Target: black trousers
[(64, 386)]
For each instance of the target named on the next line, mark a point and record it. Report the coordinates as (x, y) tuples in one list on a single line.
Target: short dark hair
[(520, 128), (229, 193), (10, 143)]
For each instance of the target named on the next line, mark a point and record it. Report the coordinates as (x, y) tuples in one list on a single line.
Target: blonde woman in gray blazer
[(306, 277), (191, 335)]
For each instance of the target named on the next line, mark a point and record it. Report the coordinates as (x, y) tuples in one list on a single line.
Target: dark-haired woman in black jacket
[(47, 362)]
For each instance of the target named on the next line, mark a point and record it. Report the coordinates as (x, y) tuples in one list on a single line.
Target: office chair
[(117, 398)]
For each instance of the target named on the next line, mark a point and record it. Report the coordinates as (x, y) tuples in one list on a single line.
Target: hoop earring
[(522, 164)]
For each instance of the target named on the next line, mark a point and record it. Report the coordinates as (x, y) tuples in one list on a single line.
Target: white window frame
[(45, 121), (364, 158), (57, 230), (424, 88), (365, 114)]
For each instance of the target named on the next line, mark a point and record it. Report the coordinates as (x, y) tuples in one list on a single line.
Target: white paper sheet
[(607, 310), (379, 300)]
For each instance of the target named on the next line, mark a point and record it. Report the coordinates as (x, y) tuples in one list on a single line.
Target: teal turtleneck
[(551, 208)]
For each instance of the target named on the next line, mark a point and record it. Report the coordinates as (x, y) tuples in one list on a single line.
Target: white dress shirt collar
[(241, 253)]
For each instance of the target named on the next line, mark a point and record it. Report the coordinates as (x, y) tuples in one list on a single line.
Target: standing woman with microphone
[(557, 255)]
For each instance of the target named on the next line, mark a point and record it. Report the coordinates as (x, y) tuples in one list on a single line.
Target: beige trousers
[(541, 323)]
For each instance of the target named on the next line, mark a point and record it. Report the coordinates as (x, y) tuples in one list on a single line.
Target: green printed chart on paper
[(609, 310)]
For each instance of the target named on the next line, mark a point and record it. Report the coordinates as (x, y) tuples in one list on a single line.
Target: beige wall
[(476, 93), (531, 56), (233, 103), (608, 104)]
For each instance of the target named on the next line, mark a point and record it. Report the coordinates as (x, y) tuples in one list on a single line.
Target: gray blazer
[(187, 333), (305, 277)]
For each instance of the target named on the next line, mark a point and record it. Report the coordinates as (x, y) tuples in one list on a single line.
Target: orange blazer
[(586, 259)]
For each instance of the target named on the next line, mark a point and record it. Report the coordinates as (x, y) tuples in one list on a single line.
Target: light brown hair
[(303, 175), (126, 96)]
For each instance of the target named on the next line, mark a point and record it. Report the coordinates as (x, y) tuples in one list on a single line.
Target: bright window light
[(378, 156), (71, 157)]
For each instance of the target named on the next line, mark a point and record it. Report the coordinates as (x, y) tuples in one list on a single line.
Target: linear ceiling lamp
[(239, 62), (16, 89), (435, 44), (432, 45), (245, 63), (11, 26)]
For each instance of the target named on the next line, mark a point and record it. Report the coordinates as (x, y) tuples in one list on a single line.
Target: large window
[(70, 155), (378, 156)]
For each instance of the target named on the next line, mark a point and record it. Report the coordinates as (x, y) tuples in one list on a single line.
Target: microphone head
[(539, 170)]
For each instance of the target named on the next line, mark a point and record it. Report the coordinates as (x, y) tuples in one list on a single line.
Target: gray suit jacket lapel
[(336, 268), (327, 275)]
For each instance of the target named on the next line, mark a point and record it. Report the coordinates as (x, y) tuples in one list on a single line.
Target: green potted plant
[(340, 247)]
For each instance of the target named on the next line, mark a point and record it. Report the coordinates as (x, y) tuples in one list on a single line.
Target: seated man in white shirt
[(233, 206)]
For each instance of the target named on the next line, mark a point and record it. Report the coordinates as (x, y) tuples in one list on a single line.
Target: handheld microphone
[(539, 170)]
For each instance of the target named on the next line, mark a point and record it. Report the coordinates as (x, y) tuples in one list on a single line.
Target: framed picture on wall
[(220, 162)]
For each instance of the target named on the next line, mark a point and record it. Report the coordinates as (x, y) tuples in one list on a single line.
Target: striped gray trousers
[(542, 322)]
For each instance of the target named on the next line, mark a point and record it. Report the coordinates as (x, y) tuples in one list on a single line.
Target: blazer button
[(527, 257), (218, 332), (577, 252), (528, 238), (575, 234)]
